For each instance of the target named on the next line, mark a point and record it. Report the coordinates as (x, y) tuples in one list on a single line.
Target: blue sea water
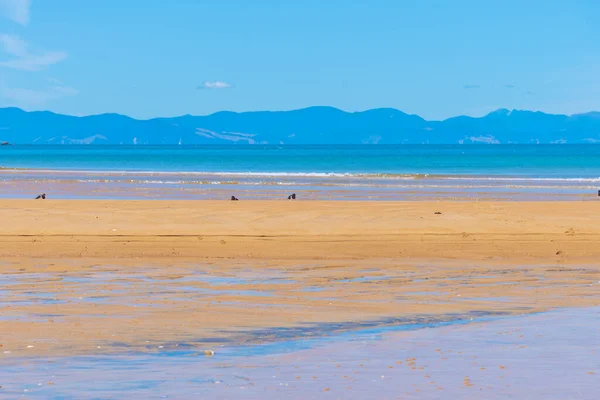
[(567, 161), (376, 172)]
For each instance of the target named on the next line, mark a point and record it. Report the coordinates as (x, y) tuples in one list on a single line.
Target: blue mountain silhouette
[(314, 125)]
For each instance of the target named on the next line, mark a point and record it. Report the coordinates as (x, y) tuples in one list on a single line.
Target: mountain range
[(314, 125)]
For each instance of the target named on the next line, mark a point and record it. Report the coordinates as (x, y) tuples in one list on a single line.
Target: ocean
[(375, 172)]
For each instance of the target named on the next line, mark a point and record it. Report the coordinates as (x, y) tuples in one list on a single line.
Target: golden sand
[(511, 231), (83, 277)]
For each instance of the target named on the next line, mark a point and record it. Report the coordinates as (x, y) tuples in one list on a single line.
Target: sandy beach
[(295, 230), (207, 200), (97, 277)]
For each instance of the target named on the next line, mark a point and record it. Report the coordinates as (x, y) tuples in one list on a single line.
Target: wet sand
[(546, 356), (72, 308), (106, 277), (123, 185)]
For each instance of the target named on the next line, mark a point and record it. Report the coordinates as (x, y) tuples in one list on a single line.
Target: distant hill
[(314, 125)]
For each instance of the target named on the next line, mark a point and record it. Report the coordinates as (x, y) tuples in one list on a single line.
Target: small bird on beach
[(292, 196), (41, 196), (233, 198)]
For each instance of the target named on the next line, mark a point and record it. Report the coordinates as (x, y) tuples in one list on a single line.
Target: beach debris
[(41, 196), (233, 198), (292, 196), (209, 353), (437, 213), (570, 232), (30, 347)]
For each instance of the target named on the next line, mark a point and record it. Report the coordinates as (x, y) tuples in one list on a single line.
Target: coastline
[(357, 173)]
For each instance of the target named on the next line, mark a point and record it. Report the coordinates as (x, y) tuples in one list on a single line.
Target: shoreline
[(490, 175), (189, 185)]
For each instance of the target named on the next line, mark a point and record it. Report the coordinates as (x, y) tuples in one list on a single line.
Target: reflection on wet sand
[(69, 307), (551, 356)]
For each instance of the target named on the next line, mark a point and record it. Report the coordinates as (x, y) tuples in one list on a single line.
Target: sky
[(434, 58)]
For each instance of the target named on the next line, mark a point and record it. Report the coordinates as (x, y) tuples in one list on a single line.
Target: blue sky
[(148, 58)]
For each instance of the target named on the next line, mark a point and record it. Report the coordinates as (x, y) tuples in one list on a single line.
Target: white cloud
[(23, 59), (17, 10), (14, 45), (28, 97), (34, 63), (215, 85)]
